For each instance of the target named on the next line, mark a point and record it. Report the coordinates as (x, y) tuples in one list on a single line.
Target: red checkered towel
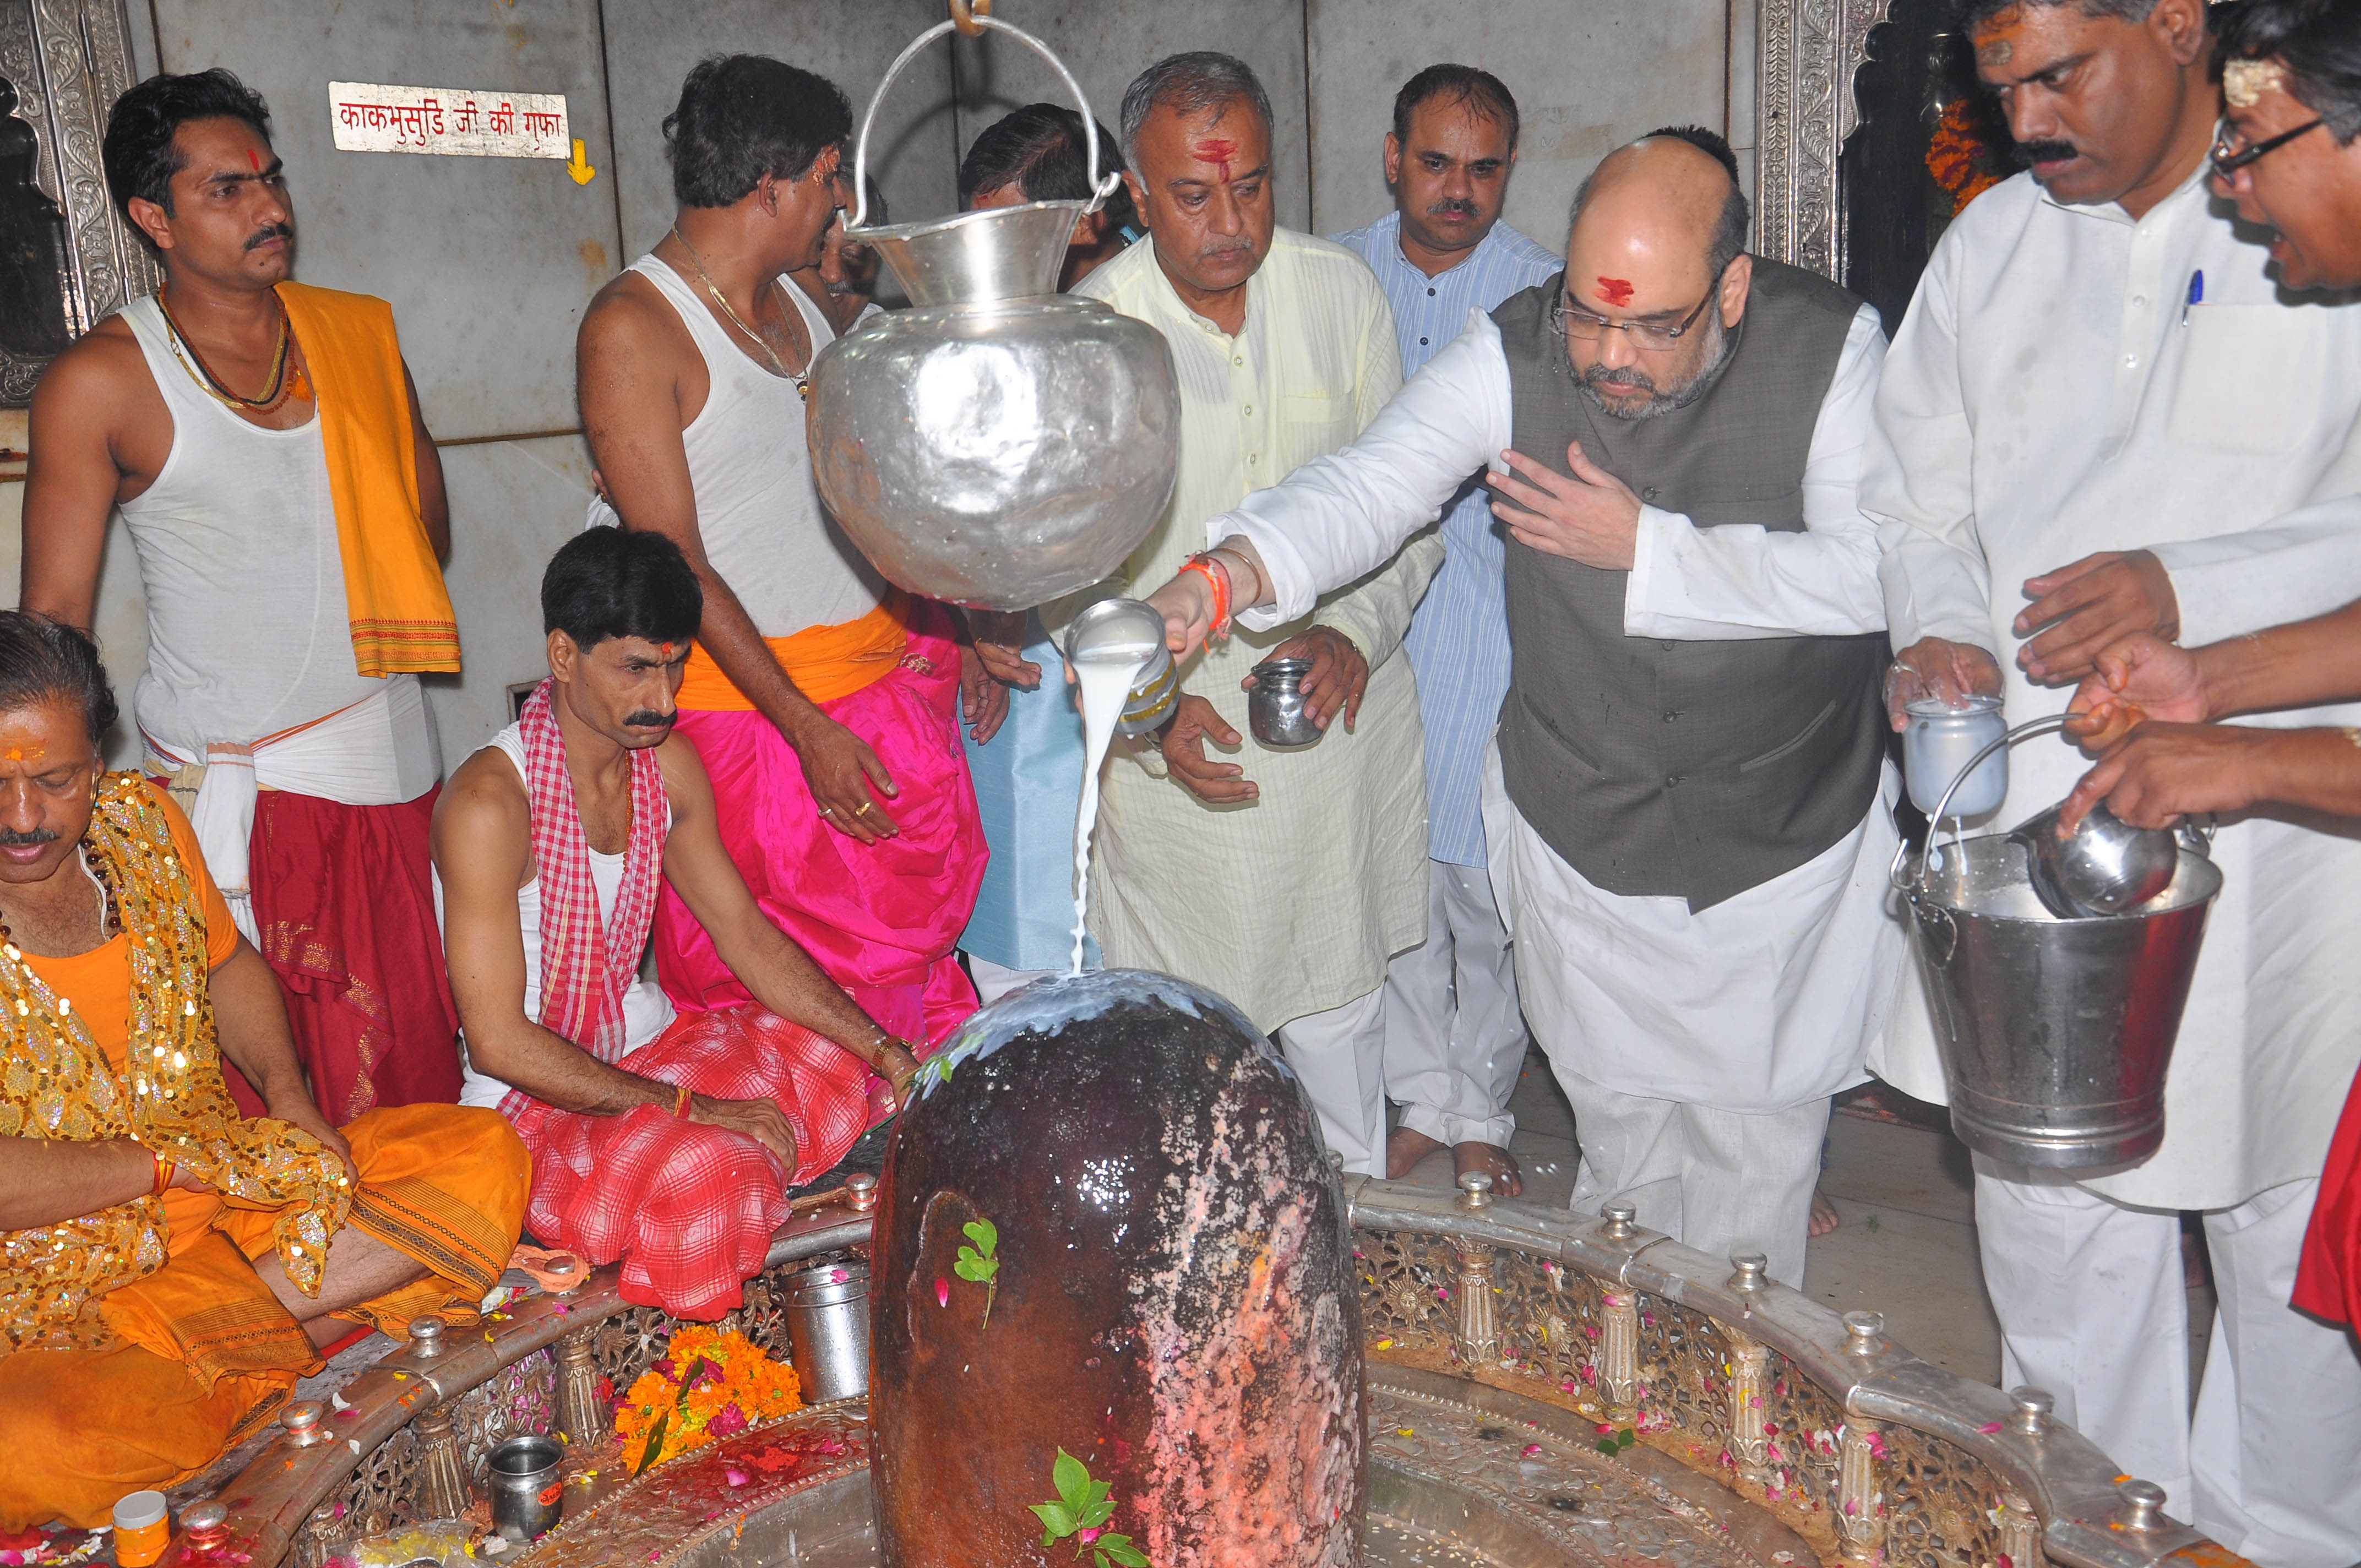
[(690, 1208), (584, 969)]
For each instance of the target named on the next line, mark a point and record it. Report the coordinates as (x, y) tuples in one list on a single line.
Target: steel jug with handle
[(998, 443)]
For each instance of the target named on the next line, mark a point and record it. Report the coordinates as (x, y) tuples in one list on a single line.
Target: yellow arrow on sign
[(579, 167)]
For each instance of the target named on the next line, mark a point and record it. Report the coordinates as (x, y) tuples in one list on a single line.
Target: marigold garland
[(709, 1384), (1959, 158)]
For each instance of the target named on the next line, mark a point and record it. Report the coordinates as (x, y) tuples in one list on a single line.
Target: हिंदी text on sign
[(372, 118)]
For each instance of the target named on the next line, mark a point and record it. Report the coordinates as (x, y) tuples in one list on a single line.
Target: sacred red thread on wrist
[(165, 1172), (680, 1105), (1218, 577)]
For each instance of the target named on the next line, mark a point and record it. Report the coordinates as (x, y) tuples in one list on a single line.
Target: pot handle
[(974, 23), (1911, 885)]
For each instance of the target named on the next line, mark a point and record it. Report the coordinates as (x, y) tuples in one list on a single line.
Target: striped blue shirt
[(1458, 641)]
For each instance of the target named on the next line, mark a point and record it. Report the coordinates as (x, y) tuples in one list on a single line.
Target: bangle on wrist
[(1239, 568)]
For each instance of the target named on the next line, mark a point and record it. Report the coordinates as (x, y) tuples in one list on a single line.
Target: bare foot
[(1824, 1214), (1494, 1161), (1404, 1149)]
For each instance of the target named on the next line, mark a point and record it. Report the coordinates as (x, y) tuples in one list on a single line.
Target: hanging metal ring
[(964, 14)]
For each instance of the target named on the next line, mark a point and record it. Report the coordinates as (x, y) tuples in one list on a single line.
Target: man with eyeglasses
[(1686, 806), (2103, 417)]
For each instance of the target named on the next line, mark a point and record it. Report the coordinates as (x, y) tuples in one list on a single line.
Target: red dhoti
[(2328, 1280), (690, 1208), (344, 896), (883, 919)]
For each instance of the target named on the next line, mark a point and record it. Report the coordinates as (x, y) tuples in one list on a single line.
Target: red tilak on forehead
[(1614, 291), (254, 161), (1218, 151)]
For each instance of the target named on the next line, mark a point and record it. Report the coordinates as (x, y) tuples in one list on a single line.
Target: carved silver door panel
[(1807, 52), (67, 261)]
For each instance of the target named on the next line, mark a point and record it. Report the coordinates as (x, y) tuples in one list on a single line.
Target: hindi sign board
[(371, 117)]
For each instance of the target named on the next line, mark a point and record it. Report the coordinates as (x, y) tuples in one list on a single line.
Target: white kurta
[(2045, 400), (1334, 852), (1764, 1001)]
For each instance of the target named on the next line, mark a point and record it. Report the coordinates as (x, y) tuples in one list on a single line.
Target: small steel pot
[(528, 1497), (827, 1331), (1275, 706)]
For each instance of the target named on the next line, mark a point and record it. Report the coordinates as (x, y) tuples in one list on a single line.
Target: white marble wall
[(650, 47), (1106, 44), (1589, 75), (489, 262)]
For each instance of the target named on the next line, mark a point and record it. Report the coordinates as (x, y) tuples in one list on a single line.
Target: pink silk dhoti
[(883, 919), (690, 1208)]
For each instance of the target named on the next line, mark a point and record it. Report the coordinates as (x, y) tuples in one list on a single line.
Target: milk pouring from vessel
[(1130, 634)]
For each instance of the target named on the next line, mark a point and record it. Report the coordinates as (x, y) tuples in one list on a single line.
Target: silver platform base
[(1460, 1474)]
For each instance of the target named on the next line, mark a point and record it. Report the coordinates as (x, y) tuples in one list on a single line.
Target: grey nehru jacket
[(1688, 769)]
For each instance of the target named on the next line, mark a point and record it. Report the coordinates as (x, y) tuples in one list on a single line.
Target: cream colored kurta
[(1289, 905), (2048, 397)]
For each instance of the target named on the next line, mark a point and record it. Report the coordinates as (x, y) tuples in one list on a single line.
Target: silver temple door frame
[(1807, 53), (68, 60)]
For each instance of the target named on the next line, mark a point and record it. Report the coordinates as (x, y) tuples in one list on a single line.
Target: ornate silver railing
[(1871, 1455)]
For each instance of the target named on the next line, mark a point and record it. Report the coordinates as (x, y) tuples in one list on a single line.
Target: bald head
[(1654, 273), (1663, 215)]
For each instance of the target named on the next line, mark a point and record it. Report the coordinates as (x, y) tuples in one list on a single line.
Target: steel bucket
[(2056, 1035), (998, 443)]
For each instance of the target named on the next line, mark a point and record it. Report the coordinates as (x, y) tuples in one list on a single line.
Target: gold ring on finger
[(866, 807)]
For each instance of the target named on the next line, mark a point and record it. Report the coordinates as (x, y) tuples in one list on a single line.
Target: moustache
[(1452, 207), (269, 232), (12, 837), (1213, 250), (648, 718), (2030, 153), (1625, 377)]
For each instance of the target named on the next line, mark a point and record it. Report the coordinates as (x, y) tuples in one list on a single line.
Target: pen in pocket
[(2196, 294)]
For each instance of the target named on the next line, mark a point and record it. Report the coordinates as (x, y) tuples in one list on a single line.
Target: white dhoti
[(2270, 1466), (1340, 1056), (1757, 1008), (381, 750), (1455, 1039)]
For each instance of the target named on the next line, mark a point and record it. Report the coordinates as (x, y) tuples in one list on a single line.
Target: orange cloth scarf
[(402, 616), (825, 661)]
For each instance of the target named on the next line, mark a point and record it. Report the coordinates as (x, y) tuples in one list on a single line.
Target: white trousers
[(1340, 1057), (2092, 1307), (993, 980), (1722, 1181), (1455, 1040)]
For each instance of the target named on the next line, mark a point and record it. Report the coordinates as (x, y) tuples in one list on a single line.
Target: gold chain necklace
[(284, 385), (802, 383)]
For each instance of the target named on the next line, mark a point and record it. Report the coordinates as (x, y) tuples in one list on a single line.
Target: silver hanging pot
[(2056, 1031), (998, 443)]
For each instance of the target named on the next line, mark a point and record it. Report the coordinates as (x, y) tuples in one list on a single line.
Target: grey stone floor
[(1907, 1245)]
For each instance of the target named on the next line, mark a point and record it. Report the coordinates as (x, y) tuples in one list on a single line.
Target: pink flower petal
[(1989, 1428), (735, 1476), (942, 1292)]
